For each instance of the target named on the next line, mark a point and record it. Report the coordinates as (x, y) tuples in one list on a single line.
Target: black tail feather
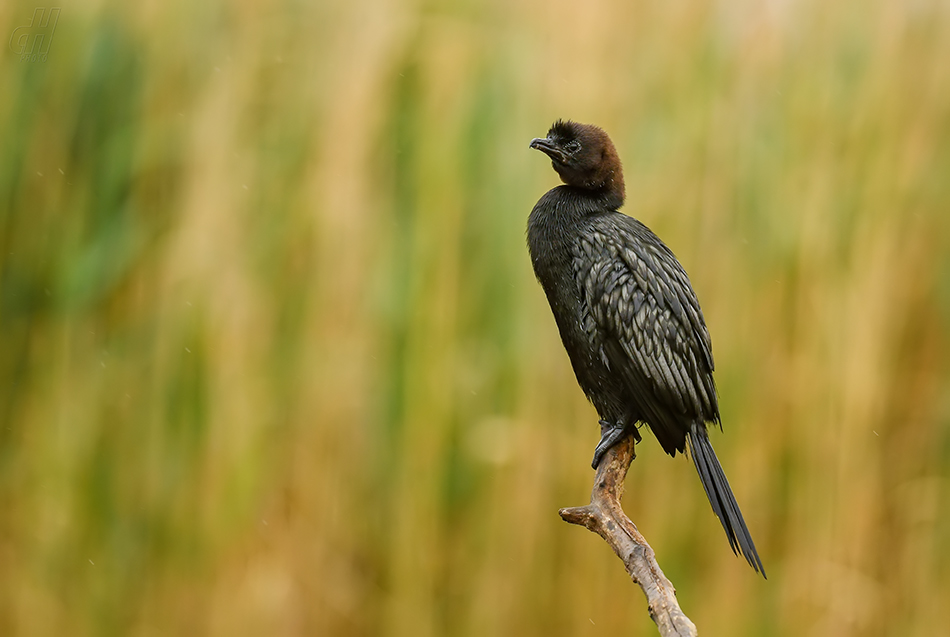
[(720, 496)]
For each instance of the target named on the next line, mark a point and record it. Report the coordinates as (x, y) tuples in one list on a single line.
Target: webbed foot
[(610, 434)]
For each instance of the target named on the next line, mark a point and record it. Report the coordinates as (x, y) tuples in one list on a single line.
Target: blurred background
[(273, 360)]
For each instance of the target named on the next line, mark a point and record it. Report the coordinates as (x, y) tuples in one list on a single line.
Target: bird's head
[(583, 156)]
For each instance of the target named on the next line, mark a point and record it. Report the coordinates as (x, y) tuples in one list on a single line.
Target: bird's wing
[(640, 308)]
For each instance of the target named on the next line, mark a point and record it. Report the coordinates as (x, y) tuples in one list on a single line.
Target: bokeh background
[(273, 360)]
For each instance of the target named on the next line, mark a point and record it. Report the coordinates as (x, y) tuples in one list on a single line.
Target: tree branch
[(605, 516)]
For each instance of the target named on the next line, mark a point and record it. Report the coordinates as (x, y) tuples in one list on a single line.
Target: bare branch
[(605, 516)]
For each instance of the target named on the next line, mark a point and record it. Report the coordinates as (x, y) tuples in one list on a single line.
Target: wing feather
[(643, 312)]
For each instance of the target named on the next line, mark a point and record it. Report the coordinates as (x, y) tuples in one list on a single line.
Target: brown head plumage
[(583, 156)]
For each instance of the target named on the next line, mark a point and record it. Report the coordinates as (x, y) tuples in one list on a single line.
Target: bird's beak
[(548, 147)]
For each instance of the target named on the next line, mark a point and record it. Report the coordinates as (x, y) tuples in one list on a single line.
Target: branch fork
[(605, 516)]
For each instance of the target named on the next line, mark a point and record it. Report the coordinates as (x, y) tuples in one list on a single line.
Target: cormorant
[(627, 315)]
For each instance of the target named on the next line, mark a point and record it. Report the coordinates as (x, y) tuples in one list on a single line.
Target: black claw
[(610, 434), (635, 431)]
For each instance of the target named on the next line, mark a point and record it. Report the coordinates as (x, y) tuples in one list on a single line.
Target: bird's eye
[(572, 146)]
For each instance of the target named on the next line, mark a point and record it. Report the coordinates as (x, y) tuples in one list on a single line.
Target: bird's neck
[(557, 220), (567, 205)]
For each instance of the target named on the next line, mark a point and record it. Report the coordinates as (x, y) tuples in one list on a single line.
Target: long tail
[(720, 496)]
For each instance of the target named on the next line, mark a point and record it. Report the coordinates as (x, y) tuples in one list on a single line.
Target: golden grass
[(273, 361)]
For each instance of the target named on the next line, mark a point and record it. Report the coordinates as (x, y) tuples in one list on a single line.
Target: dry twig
[(605, 516)]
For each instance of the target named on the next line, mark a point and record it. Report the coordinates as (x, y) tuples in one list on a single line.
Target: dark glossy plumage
[(627, 314)]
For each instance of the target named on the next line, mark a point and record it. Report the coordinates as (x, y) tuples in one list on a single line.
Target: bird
[(627, 315)]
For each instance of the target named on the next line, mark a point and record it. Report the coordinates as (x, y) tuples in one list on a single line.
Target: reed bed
[(273, 361)]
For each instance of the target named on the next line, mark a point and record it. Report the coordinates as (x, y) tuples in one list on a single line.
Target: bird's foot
[(610, 434)]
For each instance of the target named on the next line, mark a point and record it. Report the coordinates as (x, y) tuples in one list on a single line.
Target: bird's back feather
[(641, 314)]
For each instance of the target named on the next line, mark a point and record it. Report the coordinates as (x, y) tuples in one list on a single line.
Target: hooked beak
[(548, 147)]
